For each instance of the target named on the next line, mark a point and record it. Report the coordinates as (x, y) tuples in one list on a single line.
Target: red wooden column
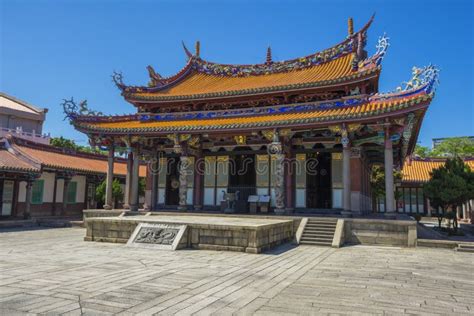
[(198, 182)]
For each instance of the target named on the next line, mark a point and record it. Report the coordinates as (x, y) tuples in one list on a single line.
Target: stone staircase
[(319, 232), (465, 247)]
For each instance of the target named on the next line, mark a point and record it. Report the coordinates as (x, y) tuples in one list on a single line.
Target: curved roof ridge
[(196, 63), (347, 40)]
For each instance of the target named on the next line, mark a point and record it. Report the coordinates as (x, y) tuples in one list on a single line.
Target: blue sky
[(51, 50)]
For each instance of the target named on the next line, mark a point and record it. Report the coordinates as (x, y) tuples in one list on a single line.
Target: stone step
[(462, 249), (323, 222), (317, 234), (316, 243), (319, 239), (466, 246), (320, 228)]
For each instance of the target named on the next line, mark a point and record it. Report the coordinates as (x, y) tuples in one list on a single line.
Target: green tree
[(450, 185), (422, 151), (117, 193), (377, 181), (455, 147), (62, 142)]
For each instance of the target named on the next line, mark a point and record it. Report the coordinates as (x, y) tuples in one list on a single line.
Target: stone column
[(109, 200), (66, 179), (128, 178), (29, 193), (428, 208), (346, 179), (389, 186), (135, 178), (198, 181), (55, 187), (289, 171), (276, 150), (154, 181), (183, 182)]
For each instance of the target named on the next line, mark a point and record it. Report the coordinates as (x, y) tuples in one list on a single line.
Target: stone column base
[(280, 211), (182, 208), (133, 208), (346, 213), (289, 210), (107, 207), (390, 215), (198, 207)]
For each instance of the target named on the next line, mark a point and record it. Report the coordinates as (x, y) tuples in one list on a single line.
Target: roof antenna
[(269, 55), (350, 27), (198, 48)]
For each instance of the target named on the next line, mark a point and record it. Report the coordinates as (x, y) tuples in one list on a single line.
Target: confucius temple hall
[(303, 132)]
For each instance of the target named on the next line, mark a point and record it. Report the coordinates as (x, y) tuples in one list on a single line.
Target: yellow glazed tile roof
[(419, 170), (201, 83), (256, 121)]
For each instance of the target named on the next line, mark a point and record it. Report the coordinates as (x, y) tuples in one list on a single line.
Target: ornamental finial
[(186, 50), (72, 110), (117, 78), (426, 77), (350, 27), (198, 48), (269, 55)]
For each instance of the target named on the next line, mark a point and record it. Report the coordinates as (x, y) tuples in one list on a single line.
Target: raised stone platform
[(245, 234)]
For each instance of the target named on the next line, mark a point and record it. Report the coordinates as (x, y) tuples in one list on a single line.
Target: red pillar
[(198, 181)]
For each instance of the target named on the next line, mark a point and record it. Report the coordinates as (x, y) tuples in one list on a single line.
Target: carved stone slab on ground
[(157, 236)]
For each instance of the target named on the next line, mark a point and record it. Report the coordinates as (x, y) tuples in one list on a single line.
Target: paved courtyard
[(52, 271)]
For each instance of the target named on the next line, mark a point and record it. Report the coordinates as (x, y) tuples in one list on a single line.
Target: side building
[(416, 172), (22, 119), (42, 180)]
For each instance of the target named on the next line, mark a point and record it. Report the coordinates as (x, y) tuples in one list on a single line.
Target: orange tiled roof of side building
[(200, 83), (418, 170), (53, 159), (10, 162)]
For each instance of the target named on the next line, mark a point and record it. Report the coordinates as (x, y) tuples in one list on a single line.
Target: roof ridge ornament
[(269, 56), (186, 50), (198, 49), (117, 78), (382, 45), (350, 27), (72, 110), (427, 76), (155, 78)]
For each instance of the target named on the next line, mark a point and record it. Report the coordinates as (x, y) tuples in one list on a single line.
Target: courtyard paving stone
[(53, 271)]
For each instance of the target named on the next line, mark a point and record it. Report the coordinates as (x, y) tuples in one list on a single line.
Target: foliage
[(377, 180), (117, 193), (62, 142), (452, 147), (422, 151), (450, 185), (455, 147)]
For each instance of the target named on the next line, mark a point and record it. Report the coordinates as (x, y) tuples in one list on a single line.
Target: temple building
[(38, 180), (303, 133)]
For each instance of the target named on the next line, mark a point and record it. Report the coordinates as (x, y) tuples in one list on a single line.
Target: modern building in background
[(22, 119), (437, 141), (225, 131)]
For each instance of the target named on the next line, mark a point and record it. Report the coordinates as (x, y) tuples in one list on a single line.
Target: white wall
[(48, 188), (59, 191), (22, 192), (81, 188)]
